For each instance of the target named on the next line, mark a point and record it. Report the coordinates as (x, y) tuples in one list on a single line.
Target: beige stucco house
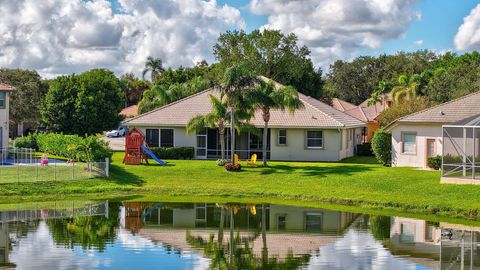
[(5, 91), (316, 132), (418, 136)]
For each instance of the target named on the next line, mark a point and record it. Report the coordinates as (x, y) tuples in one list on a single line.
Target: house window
[(409, 143), (314, 139), (282, 137), (152, 137), (2, 100), (407, 232), (281, 222), (166, 137), (313, 222)]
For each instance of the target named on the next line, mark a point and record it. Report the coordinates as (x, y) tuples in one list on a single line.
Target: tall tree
[(25, 101), (266, 98), (237, 81), (133, 88), (88, 103), (271, 54), (154, 66)]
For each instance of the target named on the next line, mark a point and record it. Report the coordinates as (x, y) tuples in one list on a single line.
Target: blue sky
[(71, 36)]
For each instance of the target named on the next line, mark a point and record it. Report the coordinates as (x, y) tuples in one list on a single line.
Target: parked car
[(119, 132)]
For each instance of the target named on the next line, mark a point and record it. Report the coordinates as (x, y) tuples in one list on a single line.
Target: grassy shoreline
[(354, 184)]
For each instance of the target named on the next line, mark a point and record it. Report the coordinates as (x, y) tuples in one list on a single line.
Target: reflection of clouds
[(357, 250), (38, 251)]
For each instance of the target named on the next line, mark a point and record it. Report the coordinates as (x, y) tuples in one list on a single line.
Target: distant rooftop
[(6, 87)]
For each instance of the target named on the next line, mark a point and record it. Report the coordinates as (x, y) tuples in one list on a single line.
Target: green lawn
[(348, 183)]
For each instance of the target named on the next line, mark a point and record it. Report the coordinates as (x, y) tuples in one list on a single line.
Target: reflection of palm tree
[(239, 253)]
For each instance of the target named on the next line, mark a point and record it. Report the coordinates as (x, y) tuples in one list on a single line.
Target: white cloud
[(334, 29), (468, 34), (60, 37), (418, 42)]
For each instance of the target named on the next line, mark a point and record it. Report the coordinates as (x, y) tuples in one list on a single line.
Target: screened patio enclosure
[(246, 144), (461, 152)]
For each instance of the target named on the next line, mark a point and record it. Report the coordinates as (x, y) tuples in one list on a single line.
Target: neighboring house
[(316, 132), (130, 111), (4, 112), (365, 113), (418, 136)]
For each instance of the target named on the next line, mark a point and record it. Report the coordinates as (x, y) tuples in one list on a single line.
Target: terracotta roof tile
[(129, 111), (6, 87), (342, 105)]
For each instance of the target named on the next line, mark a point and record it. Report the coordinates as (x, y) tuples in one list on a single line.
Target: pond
[(172, 235)]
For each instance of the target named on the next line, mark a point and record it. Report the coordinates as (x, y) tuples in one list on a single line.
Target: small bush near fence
[(174, 152), (222, 162), (382, 147), (364, 150), (68, 146), (434, 162)]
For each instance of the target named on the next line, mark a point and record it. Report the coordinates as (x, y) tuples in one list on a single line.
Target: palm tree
[(266, 98), (378, 95), (407, 88), (216, 118), (237, 81), (154, 66)]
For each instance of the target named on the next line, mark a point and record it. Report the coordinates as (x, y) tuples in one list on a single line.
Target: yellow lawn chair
[(235, 159), (253, 160)]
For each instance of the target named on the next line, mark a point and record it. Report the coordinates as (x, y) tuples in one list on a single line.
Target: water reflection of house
[(308, 228), (4, 244), (423, 242)]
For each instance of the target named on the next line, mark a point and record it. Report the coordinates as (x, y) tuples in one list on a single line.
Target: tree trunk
[(231, 238), (266, 118), (232, 133), (221, 132), (264, 236), (220, 228)]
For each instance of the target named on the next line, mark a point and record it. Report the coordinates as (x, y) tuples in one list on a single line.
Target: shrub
[(222, 162), (364, 150), (174, 152), (29, 141), (73, 146), (382, 147), (232, 167), (434, 162)]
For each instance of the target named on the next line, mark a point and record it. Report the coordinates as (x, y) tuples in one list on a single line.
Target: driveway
[(117, 143)]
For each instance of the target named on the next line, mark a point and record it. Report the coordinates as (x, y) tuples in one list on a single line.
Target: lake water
[(163, 235)]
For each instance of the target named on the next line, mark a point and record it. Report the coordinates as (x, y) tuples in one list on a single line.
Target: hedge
[(364, 150), (434, 162), (174, 152), (68, 146), (382, 147)]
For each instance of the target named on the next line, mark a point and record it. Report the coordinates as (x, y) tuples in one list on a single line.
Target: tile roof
[(314, 114), (129, 111), (6, 87), (342, 105), (449, 112)]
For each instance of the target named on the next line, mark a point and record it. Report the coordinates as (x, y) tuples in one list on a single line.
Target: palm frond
[(197, 123)]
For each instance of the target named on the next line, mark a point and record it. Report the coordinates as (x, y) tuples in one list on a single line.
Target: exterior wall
[(424, 132), (5, 120), (371, 128), (296, 149), (336, 144)]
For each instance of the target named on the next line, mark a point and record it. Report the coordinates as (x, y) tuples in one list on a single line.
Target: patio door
[(201, 146)]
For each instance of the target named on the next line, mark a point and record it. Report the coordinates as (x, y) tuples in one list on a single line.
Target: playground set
[(137, 150)]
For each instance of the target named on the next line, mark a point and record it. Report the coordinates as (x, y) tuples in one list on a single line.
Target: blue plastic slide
[(152, 155)]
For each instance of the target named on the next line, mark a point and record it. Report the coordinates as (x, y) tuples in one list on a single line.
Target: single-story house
[(5, 91), (316, 132), (418, 136), (366, 113)]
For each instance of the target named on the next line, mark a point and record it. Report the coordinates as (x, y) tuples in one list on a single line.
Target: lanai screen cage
[(460, 153)]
